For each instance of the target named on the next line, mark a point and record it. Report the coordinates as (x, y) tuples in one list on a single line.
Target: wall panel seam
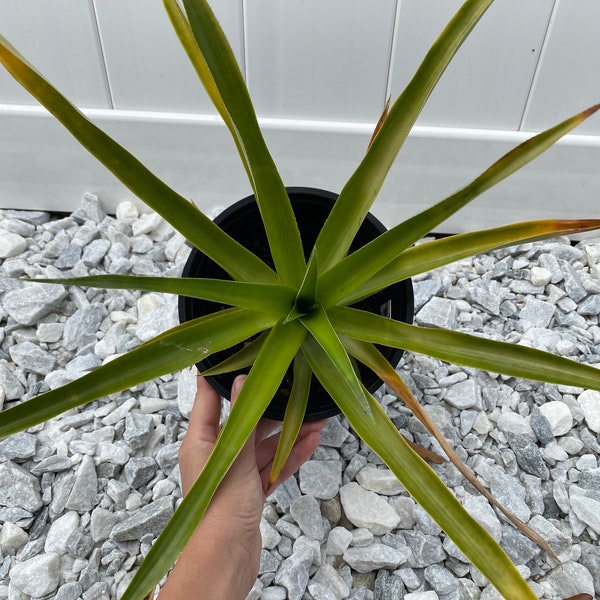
[(102, 54), (539, 63)]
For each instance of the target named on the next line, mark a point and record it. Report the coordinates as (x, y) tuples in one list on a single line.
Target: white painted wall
[(319, 72)]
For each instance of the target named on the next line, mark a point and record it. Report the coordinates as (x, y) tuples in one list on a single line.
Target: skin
[(221, 559)]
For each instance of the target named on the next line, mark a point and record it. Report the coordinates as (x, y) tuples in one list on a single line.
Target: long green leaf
[(180, 212), (241, 359), (434, 254), (420, 480), (262, 297), (294, 415), (467, 350), (356, 269), (265, 376), (306, 298), (317, 322), (218, 70), (369, 355), (362, 188), (171, 351)]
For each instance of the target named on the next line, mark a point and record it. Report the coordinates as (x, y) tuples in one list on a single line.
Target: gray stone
[(463, 395), (186, 391), (509, 492), (573, 285), (334, 434), (389, 587), (558, 415), (166, 457), (380, 481), (11, 244), (440, 579), (590, 306), (285, 494), (590, 559), (82, 327), (528, 455), (270, 537), (330, 580), (95, 252), (424, 291), (30, 303), (32, 358), (85, 486), (139, 471), (138, 429), (294, 571), (12, 538), (19, 446), (269, 563), (590, 479), (156, 313), (373, 557), (38, 576), (273, 593), (487, 294), (35, 217), (537, 312), (10, 386), (321, 478), (307, 514), (92, 207), (69, 591), (426, 549), (68, 257), (151, 518), (49, 332), (338, 541), (511, 422), (59, 532), (367, 509), (484, 514), (519, 548), (541, 426), (438, 312), (17, 226), (79, 544), (587, 510), (83, 363), (18, 488), (569, 579), (102, 522), (589, 401)]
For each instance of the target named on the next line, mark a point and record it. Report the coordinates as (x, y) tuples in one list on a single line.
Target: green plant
[(303, 307)]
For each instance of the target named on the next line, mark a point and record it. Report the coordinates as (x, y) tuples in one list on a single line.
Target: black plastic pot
[(242, 222)]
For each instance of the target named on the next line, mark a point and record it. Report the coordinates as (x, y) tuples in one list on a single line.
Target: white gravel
[(83, 497)]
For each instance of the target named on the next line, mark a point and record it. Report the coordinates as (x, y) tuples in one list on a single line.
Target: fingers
[(206, 412), (306, 443), (300, 453)]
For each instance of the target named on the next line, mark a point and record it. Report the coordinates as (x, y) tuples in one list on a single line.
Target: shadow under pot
[(243, 223)]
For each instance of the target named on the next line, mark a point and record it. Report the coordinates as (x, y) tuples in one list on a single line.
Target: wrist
[(217, 561)]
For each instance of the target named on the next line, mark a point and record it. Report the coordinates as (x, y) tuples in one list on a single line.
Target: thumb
[(247, 452)]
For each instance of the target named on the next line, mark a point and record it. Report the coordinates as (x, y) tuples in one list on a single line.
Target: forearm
[(214, 565)]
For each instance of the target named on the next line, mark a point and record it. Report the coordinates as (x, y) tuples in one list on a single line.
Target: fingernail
[(238, 382)]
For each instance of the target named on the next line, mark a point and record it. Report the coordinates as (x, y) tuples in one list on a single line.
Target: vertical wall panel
[(487, 83), (60, 39), (569, 75), (147, 67), (319, 60)]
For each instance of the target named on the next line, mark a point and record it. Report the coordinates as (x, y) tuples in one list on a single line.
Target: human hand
[(231, 524)]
